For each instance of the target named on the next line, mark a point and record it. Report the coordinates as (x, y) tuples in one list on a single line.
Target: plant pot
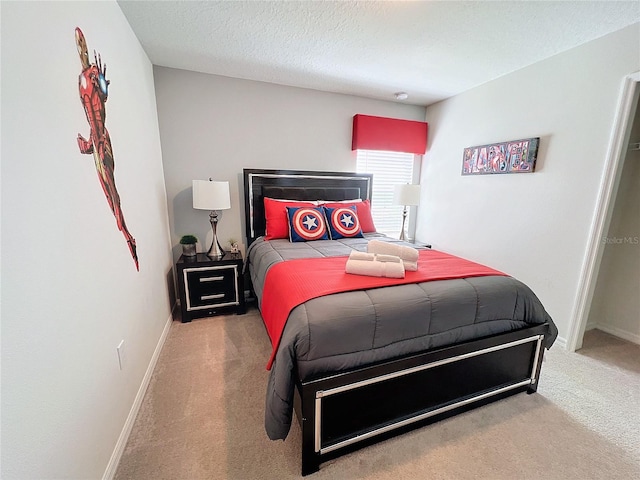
[(189, 249)]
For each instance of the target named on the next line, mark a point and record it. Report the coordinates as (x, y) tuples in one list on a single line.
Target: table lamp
[(407, 195), (211, 195)]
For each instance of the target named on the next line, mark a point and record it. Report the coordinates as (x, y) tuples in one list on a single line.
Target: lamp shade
[(210, 195), (406, 194)]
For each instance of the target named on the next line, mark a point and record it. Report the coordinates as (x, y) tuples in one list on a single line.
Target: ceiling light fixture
[(401, 96)]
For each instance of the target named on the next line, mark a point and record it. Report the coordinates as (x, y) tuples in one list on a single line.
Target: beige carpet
[(202, 418)]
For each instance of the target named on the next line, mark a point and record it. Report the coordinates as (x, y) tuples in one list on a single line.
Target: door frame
[(614, 162)]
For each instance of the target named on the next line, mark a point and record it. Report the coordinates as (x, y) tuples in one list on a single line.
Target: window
[(388, 169)]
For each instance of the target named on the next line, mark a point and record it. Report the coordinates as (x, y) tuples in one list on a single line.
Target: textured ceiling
[(429, 49)]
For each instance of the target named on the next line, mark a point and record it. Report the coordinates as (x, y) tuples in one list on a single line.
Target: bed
[(359, 366)]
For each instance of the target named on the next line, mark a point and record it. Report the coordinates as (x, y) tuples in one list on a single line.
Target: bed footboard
[(341, 412)]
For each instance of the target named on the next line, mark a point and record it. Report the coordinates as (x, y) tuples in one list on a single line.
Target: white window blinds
[(388, 169)]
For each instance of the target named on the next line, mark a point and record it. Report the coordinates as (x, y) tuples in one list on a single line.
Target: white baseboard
[(560, 342), (629, 336), (128, 425), (590, 326)]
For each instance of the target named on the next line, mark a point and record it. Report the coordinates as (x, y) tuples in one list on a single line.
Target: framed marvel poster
[(516, 156)]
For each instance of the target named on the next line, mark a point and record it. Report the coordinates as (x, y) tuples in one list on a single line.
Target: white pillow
[(311, 202), (322, 202)]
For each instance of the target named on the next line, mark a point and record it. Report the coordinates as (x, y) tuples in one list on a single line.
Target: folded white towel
[(407, 254), (410, 266), (375, 268), (387, 258), (355, 255), (372, 257)]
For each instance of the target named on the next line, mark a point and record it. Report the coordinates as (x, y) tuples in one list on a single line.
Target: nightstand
[(418, 244), (208, 286)]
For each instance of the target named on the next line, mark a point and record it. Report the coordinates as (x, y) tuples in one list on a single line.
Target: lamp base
[(404, 218), (215, 251)]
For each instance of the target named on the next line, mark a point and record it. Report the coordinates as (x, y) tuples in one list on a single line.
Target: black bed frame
[(343, 411)]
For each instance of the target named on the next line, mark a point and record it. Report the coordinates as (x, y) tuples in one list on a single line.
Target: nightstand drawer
[(210, 286), (207, 287)]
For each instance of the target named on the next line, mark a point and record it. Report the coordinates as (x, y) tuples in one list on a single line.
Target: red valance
[(392, 134)]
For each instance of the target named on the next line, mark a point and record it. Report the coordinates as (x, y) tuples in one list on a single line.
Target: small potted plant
[(188, 243), (234, 246)]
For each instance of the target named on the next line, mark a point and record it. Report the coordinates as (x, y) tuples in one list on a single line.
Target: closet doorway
[(615, 307), (609, 290)]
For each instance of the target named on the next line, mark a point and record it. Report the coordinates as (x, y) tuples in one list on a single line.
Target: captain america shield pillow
[(343, 222), (307, 224)]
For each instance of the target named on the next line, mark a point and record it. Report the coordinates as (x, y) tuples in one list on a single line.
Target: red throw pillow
[(363, 210), (275, 214)]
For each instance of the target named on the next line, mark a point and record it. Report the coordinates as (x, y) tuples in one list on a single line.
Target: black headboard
[(297, 185)]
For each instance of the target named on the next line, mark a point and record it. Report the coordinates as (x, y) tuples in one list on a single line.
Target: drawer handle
[(212, 297), (211, 279)]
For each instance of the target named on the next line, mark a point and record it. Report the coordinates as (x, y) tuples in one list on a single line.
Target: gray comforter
[(346, 330)]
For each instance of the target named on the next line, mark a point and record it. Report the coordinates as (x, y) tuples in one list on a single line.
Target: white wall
[(213, 126), (616, 299), (70, 291), (532, 226)]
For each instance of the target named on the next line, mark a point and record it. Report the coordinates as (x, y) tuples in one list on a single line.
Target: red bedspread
[(291, 283)]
